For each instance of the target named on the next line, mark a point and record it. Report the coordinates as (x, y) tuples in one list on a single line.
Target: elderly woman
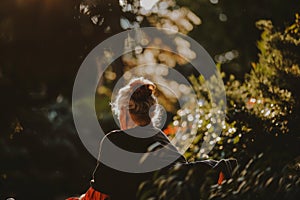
[(135, 106)]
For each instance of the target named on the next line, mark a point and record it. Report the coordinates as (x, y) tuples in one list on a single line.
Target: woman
[(135, 106)]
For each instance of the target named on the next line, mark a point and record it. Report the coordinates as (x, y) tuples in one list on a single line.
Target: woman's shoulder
[(112, 137), (114, 133)]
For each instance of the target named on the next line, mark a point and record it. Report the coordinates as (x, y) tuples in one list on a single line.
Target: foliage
[(148, 52), (260, 130)]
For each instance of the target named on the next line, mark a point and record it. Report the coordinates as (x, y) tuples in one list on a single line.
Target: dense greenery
[(261, 129)]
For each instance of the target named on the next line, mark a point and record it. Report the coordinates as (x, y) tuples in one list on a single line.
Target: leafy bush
[(260, 130)]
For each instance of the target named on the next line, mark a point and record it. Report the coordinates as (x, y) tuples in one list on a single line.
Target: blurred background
[(254, 43)]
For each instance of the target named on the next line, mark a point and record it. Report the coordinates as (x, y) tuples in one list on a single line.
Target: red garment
[(221, 178), (91, 194)]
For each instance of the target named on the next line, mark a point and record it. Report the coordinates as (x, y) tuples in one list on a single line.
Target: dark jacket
[(118, 183)]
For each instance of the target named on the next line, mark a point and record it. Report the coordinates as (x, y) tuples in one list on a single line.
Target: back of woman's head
[(137, 97)]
